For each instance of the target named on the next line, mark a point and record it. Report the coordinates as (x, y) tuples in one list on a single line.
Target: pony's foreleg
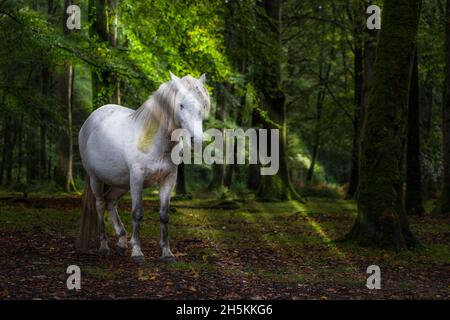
[(97, 190), (164, 198), (136, 186), (112, 199)]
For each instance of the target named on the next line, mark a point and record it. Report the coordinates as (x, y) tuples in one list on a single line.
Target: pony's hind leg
[(112, 199), (97, 190), (164, 197)]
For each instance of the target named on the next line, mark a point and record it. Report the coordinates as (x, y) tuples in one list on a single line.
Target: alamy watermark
[(74, 278), (233, 142), (74, 19), (374, 280), (374, 20)]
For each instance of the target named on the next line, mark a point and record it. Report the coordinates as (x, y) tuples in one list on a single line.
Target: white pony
[(130, 150)]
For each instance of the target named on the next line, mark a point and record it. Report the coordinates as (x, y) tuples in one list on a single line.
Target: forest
[(361, 99)]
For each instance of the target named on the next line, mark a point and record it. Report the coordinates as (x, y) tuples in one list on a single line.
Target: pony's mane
[(159, 110)]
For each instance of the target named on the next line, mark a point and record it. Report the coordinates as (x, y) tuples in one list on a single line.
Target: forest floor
[(225, 250)]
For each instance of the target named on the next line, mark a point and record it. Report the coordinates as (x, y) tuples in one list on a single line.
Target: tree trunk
[(429, 185), (254, 177), (218, 174), (20, 152), (98, 28), (45, 78), (218, 170), (230, 169), (381, 219), (279, 186), (113, 18), (32, 154), (413, 197), (103, 16), (312, 165), (369, 55), (49, 162), (357, 118), (65, 143), (10, 153), (364, 63), (317, 134), (324, 75), (443, 203), (42, 152), (228, 177), (6, 133), (181, 181), (45, 74)]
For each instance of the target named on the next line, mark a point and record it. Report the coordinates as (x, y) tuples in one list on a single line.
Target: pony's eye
[(181, 106)]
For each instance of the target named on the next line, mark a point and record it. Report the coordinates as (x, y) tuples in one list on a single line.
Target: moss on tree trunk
[(381, 219), (277, 187), (443, 204), (64, 174), (413, 198), (103, 17)]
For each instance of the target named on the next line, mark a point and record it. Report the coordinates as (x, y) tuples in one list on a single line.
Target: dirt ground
[(243, 251)]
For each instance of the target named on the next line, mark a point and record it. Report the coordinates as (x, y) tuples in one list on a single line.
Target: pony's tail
[(89, 220)]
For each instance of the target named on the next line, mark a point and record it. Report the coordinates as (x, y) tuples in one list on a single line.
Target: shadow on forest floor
[(253, 250)]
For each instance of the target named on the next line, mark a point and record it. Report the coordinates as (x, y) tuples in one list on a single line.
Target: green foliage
[(184, 37), (330, 191), (227, 40), (272, 189)]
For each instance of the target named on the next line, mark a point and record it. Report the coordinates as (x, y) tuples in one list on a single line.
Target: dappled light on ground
[(241, 249), (301, 209)]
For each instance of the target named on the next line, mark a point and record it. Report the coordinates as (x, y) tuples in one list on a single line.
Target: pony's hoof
[(103, 252), (168, 259), (139, 260), (120, 251)]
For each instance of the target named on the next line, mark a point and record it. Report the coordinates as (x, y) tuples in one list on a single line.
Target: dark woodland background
[(364, 114)]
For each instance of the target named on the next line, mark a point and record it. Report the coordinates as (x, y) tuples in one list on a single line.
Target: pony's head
[(191, 105)]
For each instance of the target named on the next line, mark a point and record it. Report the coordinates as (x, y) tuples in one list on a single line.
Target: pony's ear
[(202, 79), (173, 77)]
